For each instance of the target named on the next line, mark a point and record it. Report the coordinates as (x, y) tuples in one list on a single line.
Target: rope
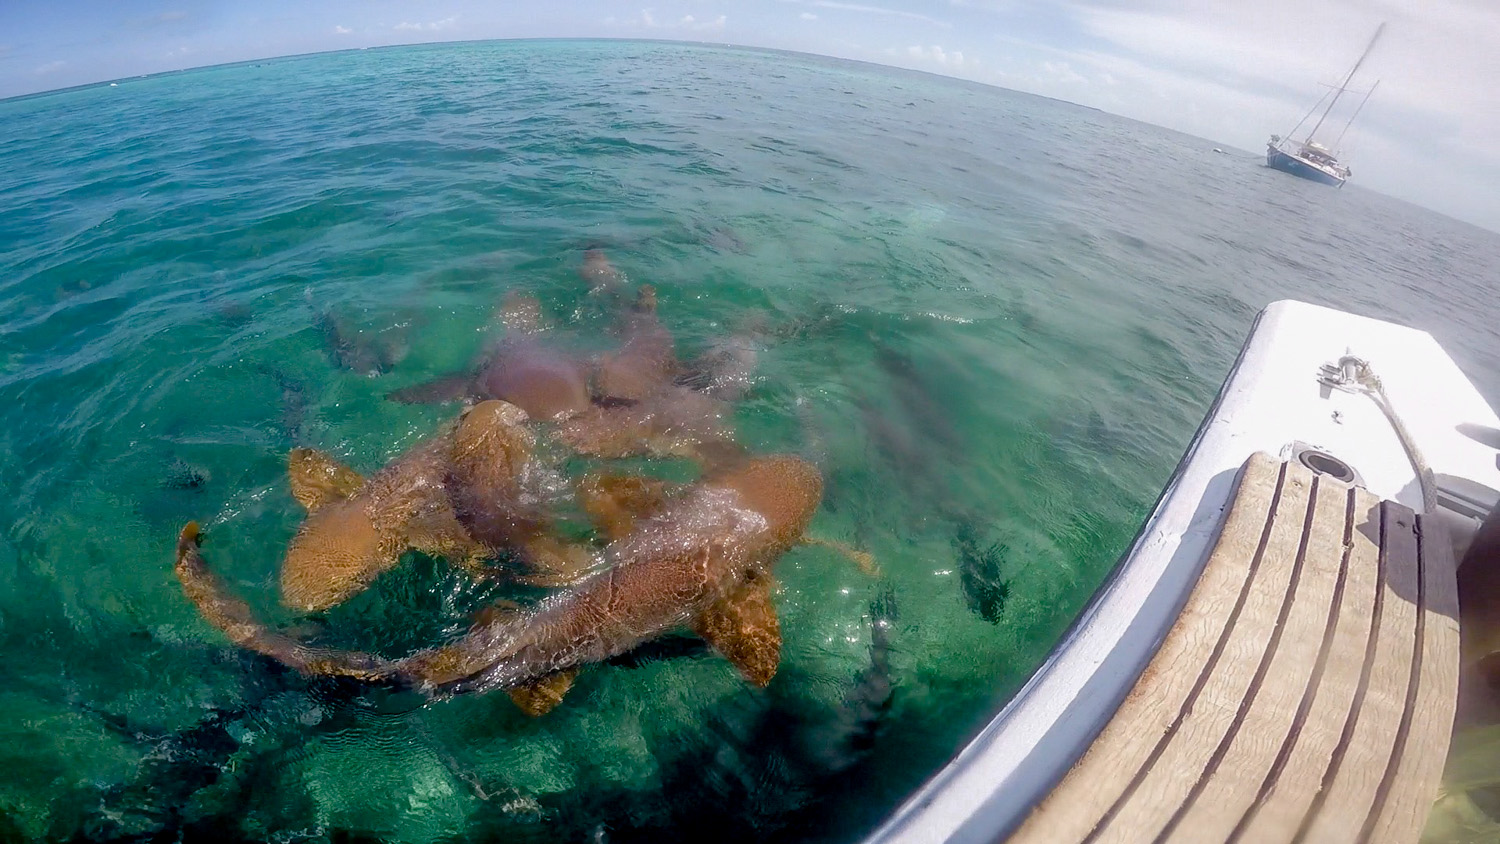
[(1369, 383)]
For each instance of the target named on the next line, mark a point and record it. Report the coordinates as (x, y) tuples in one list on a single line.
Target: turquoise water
[(993, 320)]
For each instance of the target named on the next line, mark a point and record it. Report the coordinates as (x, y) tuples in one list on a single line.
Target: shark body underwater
[(626, 403), (702, 560), (695, 556)]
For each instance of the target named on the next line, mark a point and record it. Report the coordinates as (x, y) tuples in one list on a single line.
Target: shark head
[(784, 490), (492, 438)]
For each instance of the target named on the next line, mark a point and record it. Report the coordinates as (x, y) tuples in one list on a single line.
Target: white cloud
[(875, 10), (715, 25), (687, 23), (342, 30), (49, 67), (1192, 103), (432, 26), (937, 55), (1064, 73), (808, 16)]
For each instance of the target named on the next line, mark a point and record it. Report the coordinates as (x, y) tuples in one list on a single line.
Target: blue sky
[(1226, 70)]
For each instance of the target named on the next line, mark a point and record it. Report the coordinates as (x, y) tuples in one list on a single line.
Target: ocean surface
[(992, 320)]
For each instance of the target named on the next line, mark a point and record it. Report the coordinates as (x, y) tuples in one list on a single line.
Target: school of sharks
[(660, 558), (662, 548)]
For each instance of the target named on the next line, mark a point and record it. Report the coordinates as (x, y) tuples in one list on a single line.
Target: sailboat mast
[(1305, 116), (1361, 108), (1347, 80)]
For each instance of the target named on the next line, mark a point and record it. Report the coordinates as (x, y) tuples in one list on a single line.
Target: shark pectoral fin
[(616, 502), (447, 388), (336, 553), (744, 628), (864, 559), (540, 696), (442, 535), (318, 479)]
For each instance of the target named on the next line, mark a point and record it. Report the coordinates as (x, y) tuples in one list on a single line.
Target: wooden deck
[(1306, 693)]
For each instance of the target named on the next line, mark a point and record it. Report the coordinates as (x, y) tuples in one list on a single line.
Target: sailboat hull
[(1297, 167)]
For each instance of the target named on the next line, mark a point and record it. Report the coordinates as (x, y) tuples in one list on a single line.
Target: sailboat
[(1309, 158)]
